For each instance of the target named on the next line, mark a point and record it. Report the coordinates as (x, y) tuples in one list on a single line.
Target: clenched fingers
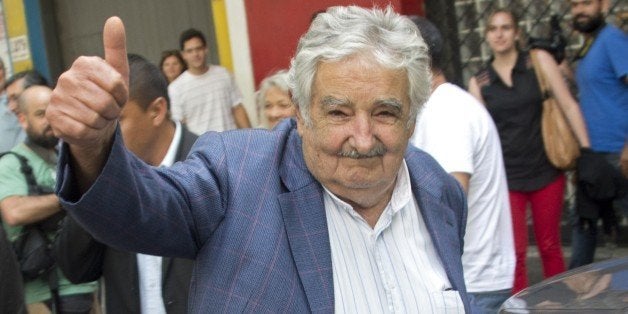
[(87, 99)]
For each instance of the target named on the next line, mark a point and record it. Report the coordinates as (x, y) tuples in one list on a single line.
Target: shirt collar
[(521, 65), (588, 42), (171, 154)]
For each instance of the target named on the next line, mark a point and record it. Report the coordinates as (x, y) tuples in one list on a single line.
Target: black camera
[(555, 45)]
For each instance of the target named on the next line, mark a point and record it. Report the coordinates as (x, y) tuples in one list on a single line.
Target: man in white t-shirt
[(459, 133), (205, 97)]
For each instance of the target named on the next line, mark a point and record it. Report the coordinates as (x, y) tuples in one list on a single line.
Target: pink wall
[(275, 27)]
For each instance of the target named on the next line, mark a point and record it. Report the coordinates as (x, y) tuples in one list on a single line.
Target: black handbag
[(32, 246)]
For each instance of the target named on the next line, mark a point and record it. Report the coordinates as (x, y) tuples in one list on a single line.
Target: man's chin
[(588, 25), (48, 143), (362, 182)]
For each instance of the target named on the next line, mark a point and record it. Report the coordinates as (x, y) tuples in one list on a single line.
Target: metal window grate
[(534, 17)]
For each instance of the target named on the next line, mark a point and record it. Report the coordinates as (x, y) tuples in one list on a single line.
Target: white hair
[(278, 79), (391, 39)]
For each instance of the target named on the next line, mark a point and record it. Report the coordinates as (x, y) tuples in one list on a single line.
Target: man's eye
[(337, 113), (386, 114)]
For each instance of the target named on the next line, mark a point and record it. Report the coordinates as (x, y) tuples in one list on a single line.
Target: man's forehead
[(333, 101), (193, 43), (37, 93), (17, 85)]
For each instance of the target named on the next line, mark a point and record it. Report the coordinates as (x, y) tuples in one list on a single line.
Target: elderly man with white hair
[(331, 212)]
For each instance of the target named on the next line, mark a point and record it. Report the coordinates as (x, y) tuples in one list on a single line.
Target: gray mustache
[(377, 151)]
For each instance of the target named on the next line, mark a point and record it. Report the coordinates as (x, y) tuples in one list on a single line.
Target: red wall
[(275, 27)]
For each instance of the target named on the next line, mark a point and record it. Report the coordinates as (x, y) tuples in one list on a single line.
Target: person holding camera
[(509, 88), (30, 210)]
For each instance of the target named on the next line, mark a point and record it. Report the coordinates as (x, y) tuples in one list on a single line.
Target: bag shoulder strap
[(539, 74), (27, 171)]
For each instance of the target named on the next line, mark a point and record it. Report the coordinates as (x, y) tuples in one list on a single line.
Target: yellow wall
[(222, 33), (17, 32)]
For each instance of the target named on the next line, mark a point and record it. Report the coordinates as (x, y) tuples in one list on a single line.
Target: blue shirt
[(10, 130), (603, 93)]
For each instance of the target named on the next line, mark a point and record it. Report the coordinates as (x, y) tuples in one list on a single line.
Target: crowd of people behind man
[(323, 206)]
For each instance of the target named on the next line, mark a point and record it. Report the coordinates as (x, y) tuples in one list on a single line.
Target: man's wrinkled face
[(587, 15), (359, 130)]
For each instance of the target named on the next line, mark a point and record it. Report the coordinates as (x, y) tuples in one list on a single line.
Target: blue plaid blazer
[(245, 206)]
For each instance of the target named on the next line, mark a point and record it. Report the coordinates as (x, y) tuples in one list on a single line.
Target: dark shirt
[(516, 111)]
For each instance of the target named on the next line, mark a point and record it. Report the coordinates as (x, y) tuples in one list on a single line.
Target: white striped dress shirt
[(391, 268), (149, 269)]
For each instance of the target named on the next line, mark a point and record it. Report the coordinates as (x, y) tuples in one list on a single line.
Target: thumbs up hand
[(87, 101)]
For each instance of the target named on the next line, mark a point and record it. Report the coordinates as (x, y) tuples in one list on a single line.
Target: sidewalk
[(535, 270), (605, 249)]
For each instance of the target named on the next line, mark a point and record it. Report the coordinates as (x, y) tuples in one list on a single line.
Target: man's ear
[(158, 110), (21, 118), (412, 129), (300, 121)]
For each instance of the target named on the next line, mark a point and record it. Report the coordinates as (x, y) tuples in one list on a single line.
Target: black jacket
[(83, 259)]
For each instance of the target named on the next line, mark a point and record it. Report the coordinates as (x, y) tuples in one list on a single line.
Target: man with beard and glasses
[(602, 78), (19, 208)]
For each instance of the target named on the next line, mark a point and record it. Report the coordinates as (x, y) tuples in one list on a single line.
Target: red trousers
[(546, 205)]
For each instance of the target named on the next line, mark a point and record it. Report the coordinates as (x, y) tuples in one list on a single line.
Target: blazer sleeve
[(78, 254), (164, 211)]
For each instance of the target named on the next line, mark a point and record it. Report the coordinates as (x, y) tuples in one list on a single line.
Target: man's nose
[(362, 138)]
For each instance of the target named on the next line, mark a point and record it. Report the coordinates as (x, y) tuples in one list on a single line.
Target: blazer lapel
[(440, 222), (185, 144), (303, 213), (441, 229)]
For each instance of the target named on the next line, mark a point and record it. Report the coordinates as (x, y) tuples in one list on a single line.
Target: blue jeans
[(583, 243), (488, 302)]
